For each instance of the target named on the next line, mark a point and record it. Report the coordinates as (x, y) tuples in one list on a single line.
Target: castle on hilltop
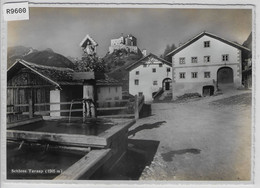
[(128, 43)]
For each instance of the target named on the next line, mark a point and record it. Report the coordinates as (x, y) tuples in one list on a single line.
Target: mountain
[(46, 57), (116, 63), (17, 52)]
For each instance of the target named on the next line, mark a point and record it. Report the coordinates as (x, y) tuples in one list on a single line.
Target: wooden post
[(136, 107), (31, 108)]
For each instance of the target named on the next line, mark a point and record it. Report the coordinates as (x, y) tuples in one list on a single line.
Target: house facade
[(206, 63), (150, 76)]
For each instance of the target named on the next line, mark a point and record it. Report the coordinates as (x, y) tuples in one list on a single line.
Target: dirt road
[(201, 139)]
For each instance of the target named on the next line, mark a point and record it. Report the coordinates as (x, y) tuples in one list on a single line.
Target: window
[(168, 69), (155, 83), (160, 65), (145, 65), (154, 69), (116, 89), (206, 74), (206, 44), (206, 59), (182, 60), (225, 57), (98, 90), (182, 75), (109, 89), (136, 72), (194, 60), (136, 82), (194, 75), (140, 94)]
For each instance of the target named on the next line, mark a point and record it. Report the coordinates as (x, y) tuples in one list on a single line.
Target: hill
[(46, 57), (116, 63)]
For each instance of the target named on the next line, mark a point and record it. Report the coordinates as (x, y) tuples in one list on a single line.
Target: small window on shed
[(154, 69)]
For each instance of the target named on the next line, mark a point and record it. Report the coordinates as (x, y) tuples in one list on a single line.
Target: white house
[(150, 76), (205, 63)]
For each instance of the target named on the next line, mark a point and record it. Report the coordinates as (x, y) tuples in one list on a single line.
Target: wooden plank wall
[(23, 86)]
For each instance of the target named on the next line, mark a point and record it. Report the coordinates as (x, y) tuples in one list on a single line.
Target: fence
[(111, 108)]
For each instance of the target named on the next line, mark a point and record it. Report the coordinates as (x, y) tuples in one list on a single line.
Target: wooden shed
[(42, 84), (51, 89)]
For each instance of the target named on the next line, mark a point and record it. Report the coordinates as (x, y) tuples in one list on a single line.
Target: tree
[(167, 50), (89, 63)]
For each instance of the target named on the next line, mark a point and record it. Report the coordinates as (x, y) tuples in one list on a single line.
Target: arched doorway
[(225, 75), (207, 91), (167, 82)]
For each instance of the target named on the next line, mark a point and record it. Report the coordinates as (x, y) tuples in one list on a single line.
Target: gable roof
[(140, 61), (210, 35), (83, 43), (54, 75)]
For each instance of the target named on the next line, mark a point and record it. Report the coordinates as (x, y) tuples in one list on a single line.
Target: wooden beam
[(32, 86), (62, 139), (48, 111), (86, 166), (99, 101), (112, 108), (23, 122), (136, 107), (118, 116)]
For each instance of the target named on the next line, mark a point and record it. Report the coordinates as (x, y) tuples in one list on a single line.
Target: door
[(167, 86)]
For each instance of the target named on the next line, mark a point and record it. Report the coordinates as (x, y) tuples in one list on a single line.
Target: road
[(199, 139)]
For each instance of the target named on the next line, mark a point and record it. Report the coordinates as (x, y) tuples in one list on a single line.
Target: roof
[(210, 35), (140, 61), (55, 75), (83, 43), (107, 81)]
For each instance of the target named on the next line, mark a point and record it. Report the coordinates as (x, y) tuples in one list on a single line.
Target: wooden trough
[(106, 148)]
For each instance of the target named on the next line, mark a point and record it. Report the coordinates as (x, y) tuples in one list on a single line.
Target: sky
[(62, 29)]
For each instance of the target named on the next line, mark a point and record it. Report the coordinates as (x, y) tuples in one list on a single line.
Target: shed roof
[(54, 75), (108, 81), (140, 61), (194, 39), (57, 76)]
